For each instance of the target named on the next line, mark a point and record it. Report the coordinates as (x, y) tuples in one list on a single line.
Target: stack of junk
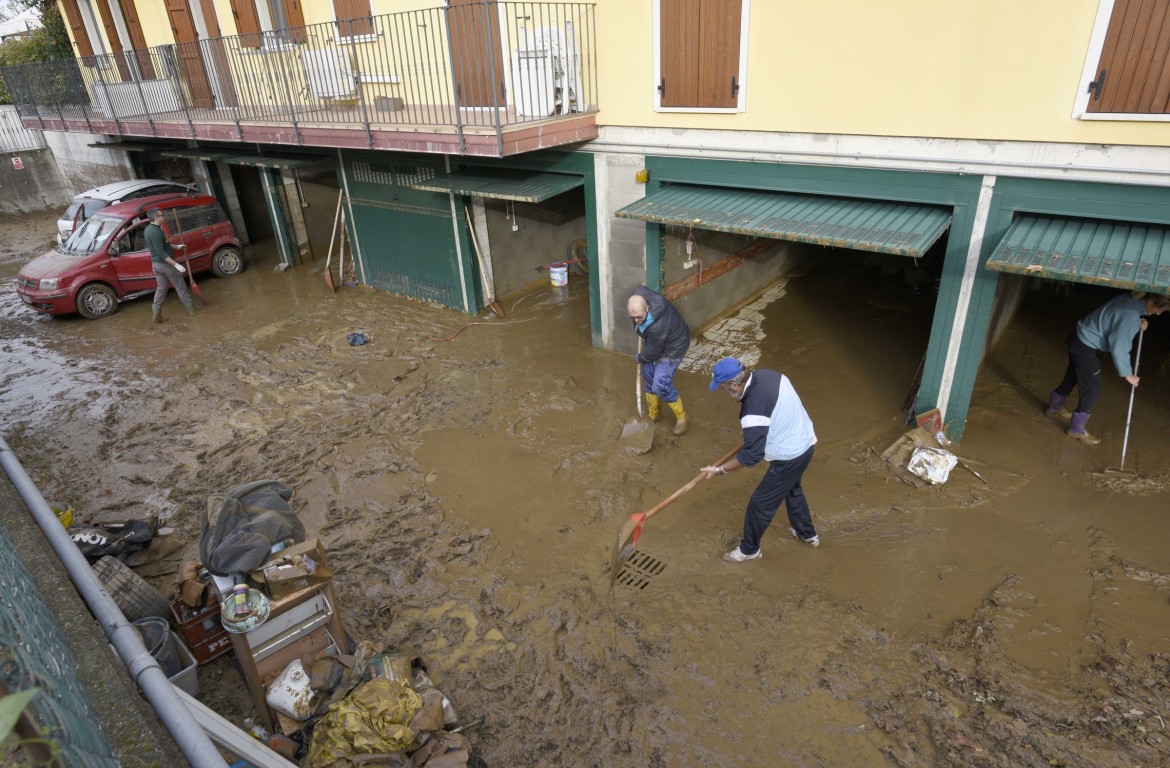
[(263, 592)]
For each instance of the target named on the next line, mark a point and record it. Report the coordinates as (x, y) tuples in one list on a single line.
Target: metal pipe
[(144, 669)]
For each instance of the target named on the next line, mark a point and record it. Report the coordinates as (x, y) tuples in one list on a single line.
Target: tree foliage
[(45, 44)]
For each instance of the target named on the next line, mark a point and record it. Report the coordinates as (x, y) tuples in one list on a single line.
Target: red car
[(105, 260)]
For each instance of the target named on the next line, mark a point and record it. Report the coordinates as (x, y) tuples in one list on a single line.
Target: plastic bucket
[(156, 636), (559, 274)]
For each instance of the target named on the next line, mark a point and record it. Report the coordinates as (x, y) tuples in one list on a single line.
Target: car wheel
[(227, 262), (96, 301)]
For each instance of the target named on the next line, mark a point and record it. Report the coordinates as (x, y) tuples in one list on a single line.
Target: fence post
[(456, 95)]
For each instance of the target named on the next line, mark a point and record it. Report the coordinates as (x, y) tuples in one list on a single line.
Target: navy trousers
[(781, 484), (1083, 372)]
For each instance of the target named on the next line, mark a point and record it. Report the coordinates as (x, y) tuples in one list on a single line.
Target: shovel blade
[(637, 435), (329, 281), (624, 546)]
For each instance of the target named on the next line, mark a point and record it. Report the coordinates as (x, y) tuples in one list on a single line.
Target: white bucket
[(559, 274)]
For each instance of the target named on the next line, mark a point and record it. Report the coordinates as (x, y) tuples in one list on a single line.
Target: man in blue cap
[(776, 428)]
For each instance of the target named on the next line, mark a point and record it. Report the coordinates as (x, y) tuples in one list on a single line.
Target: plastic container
[(156, 636), (63, 511), (201, 630), (558, 273), (290, 693), (186, 678)]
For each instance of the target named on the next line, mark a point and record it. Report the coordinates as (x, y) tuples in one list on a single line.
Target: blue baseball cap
[(725, 370)]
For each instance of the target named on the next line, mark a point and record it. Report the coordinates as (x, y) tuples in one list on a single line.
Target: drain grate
[(638, 570)]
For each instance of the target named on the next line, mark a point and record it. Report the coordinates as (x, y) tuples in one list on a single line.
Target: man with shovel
[(1109, 328), (665, 340), (166, 269), (776, 428)]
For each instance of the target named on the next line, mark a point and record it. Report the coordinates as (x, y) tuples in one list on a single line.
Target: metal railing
[(478, 67), (14, 136)]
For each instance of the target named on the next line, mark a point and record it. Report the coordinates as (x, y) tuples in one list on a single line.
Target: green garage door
[(406, 237)]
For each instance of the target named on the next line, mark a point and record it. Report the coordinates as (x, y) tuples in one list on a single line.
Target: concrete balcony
[(488, 79)]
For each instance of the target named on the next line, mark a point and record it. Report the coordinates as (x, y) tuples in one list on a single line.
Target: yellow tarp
[(370, 721)]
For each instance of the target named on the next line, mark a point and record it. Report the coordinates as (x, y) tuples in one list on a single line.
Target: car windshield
[(91, 235), (91, 207)]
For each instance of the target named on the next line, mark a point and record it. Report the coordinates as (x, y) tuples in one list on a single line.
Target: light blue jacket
[(1111, 328)]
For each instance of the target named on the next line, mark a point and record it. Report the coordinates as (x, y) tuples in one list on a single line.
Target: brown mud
[(469, 493)]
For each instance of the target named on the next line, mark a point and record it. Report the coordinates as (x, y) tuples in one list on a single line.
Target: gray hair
[(153, 213)]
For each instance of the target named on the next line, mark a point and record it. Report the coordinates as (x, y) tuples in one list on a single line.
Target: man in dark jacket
[(166, 269), (665, 340)]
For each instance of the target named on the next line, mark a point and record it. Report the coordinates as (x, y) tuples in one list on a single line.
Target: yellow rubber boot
[(680, 416), (653, 407)]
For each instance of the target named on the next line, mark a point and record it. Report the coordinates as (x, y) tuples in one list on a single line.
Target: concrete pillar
[(296, 215), (621, 244), (232, 195)]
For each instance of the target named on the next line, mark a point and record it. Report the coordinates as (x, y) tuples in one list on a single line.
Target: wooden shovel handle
[(670, 499)]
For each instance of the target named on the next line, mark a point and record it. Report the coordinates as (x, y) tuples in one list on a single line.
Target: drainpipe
[(145, 671)]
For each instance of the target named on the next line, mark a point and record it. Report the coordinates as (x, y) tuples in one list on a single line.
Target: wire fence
[(33, 653), (14, 136), (476, 66)]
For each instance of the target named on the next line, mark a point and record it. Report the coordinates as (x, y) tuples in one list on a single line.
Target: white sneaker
[(736, 556), (814, 542)]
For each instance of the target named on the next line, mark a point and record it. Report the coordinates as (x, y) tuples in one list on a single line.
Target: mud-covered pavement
[(469, 493)]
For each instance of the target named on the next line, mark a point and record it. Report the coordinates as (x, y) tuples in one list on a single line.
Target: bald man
[(665, 340)]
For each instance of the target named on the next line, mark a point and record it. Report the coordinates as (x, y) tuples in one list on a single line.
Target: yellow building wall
[(985, 69)]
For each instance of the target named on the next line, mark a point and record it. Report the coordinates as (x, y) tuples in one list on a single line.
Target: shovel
[(489, 290), (638, 432), (332, 237), (1121, 470), (195, 289), (628, 537)]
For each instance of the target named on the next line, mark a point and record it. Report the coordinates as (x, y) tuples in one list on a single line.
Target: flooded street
[(469, 492)]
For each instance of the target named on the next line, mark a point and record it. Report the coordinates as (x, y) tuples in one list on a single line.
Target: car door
[(190, 226), (132, 263)]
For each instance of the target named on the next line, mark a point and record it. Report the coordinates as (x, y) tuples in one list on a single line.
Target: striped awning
[(904, 229), (520, 186), (1101, 252)]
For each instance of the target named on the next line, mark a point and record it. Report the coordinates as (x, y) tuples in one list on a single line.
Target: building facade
[(703, 147)]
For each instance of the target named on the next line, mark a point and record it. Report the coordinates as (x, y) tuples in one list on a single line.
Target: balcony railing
[(455, 80)]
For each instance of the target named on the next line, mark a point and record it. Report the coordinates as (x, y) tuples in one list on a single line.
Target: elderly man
[(166, 269), (776, 428), (665, 340)]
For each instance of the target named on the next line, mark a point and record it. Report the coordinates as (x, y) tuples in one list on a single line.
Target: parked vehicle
[(88, 203), (106, 261)]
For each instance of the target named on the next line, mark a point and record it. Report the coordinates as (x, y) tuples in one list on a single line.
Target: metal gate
[(405, 236)]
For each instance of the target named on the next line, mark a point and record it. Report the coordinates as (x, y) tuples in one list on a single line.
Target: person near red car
[(166, 269)]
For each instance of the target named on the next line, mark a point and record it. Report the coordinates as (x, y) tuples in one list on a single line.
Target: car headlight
[(48, 284)]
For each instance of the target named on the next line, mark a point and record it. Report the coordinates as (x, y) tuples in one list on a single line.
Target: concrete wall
[(38, 185), (84, 167), (622, 245)]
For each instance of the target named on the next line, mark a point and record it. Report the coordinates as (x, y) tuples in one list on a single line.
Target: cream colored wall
[(992, 69)]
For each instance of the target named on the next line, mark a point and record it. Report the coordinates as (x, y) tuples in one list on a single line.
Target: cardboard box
[(294, 568), (202, 631)]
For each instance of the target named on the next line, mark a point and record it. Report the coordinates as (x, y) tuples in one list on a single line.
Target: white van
[(88, 203)]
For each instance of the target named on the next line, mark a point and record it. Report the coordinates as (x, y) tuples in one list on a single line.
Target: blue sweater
[(1111, 328)]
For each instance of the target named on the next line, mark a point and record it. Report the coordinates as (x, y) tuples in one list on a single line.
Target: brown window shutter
[(719, 53), (353, 17), (137, 39), (699, 52), (247, 23), (1133, 73), (77, 28), (295, 19)]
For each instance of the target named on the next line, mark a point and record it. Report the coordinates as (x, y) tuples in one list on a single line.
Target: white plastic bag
[(932, 464)]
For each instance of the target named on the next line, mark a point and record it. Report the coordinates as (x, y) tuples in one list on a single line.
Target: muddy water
[(470, 491)]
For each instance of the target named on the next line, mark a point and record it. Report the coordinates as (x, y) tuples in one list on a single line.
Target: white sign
[(18, 164)]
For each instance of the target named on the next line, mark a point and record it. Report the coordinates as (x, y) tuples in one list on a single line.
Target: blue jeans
[(781, 483), (658, 378)]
